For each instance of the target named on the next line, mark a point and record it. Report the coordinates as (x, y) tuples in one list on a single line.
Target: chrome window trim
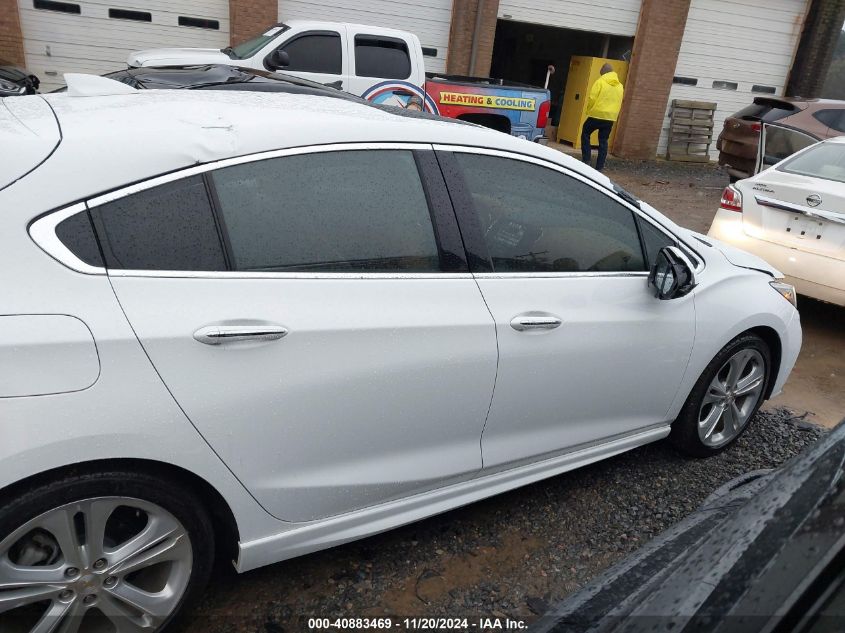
[(246, 158), (43, 230), (236, 274), (43, 233), (542, 162), (569, 275)]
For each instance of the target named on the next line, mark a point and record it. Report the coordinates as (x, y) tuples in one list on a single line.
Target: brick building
[(726, 51)]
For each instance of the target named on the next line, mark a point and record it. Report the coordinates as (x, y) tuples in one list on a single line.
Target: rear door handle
[(525, 322), (218, 334)]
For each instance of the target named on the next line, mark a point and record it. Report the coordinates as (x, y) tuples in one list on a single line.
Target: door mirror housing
[(278, 59), (672, 275)]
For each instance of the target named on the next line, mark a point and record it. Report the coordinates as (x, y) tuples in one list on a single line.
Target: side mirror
[(672, 275), (278, 59)]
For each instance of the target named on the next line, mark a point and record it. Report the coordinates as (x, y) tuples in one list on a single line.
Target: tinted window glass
[(537, 219), (77, 234), (654, 239), (783, 142), (826, 160), (315, 53), (169, 227), (831, 118), (768, 110), (384, 57), (335, 211)]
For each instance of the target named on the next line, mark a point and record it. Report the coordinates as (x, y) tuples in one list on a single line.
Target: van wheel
[(725, 398), (118, 551)]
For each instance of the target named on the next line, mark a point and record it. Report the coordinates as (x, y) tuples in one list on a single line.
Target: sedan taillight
[(731, 199)]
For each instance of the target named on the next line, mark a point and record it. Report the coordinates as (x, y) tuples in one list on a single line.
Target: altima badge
[(814, 200)]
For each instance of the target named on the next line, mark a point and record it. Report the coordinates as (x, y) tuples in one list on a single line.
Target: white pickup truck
[(380, 64)]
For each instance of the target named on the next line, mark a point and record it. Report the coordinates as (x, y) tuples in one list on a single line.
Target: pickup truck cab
[(380, 64)]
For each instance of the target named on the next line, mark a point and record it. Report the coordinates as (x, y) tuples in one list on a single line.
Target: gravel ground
[(511, 555)]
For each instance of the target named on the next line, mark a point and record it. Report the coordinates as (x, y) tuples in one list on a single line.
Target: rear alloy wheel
[(725, 398), (116, 564)]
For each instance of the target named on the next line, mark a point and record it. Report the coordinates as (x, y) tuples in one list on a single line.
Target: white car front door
[(586, 351), (331, 350), (317, 55)]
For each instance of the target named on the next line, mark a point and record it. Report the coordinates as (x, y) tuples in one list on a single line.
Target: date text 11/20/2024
[(417, 624)]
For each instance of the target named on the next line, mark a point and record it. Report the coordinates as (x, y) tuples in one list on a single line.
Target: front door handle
[(218, 334), (526, 322)]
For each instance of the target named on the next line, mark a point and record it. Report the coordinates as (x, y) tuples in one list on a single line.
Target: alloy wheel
[(731, 397), (105, 564)]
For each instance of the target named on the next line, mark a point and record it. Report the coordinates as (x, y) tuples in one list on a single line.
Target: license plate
[(805, 228)]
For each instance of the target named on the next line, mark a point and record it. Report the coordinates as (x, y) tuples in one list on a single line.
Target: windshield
[(250, 47), (825, 160)]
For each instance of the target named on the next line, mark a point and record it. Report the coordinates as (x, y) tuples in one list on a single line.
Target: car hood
[(177, 57), (736, 256)]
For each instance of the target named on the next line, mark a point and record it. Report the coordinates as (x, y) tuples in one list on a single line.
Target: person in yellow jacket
[(603, 107)]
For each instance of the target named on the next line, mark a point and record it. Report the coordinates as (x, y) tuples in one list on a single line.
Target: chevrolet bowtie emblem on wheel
[(814, 200)]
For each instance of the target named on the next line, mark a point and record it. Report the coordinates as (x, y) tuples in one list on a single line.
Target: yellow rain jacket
[(605, 99)]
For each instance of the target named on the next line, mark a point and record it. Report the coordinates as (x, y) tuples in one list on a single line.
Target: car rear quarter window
[(350, 211), (834, 119), (169, 227), (537, 219), (77, 234), (385, 57), (315, 53)]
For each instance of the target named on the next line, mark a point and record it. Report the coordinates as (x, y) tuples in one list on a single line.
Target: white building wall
[(617, 17), (92, 42), (747, 42), (428, 19)]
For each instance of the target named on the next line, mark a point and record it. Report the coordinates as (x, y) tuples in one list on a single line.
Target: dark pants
[(590, 126)]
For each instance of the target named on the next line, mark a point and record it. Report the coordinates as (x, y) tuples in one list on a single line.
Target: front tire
[(725, 398), (114, 551)]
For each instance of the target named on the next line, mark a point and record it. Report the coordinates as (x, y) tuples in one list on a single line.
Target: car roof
[(112, 140), (366, 28), (836, 103)]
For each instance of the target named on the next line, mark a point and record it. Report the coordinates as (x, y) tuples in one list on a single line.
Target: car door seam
[(495, 376), (187, 417)]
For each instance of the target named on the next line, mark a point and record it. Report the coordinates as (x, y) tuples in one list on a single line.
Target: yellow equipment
[(583, 71)]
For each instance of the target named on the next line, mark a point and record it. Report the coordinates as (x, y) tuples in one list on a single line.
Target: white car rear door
[(384, 67), (331, 349)]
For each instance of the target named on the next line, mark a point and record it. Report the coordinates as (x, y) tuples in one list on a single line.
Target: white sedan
[(266, 324), (793, 216)]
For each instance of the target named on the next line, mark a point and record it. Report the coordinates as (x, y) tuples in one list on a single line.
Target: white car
[(266, 324), (793, 215)]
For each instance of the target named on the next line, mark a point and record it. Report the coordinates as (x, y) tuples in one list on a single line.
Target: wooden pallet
[(690, 130)]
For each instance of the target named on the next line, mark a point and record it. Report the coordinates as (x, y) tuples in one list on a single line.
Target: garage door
[(95, 36), (733, 51), (428, 19), (617, 17)]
